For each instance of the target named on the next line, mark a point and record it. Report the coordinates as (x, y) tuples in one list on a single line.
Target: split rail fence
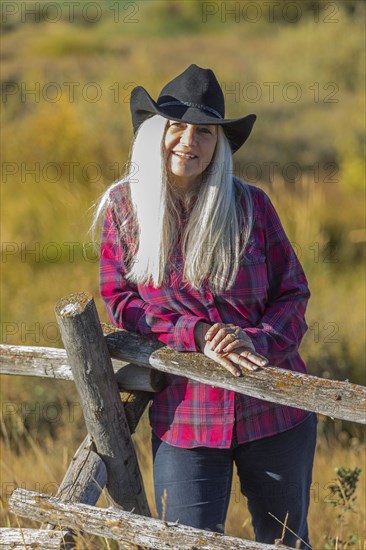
[(115, 373)]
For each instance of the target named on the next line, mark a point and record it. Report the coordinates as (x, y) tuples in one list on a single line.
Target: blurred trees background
[(67, 72)]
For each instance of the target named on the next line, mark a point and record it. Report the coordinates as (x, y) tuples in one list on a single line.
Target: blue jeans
[(274, 473)]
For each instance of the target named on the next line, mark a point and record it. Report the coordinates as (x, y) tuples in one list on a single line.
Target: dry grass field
[(41, 468), (65, 86)]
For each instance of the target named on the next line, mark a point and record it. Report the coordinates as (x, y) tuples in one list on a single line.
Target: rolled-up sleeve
[(124, 304), (282, 327)]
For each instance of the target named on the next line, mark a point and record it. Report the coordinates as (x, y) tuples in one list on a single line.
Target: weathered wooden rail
[(101, 365), (133, 356), (122, 525), (46, 362), (19, 539)]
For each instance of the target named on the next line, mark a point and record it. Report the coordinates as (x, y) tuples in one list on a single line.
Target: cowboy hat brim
[(143, 106)]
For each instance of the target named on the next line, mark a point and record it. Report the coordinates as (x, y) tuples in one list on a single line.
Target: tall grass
[(50, 460), (321, 204)]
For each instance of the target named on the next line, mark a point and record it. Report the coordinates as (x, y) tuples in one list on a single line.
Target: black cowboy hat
[(194, 97)]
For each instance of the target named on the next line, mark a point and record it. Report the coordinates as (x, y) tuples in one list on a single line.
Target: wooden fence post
[(103, 411), (86, 476)]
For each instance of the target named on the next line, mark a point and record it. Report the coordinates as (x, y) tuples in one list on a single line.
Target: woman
[(198, 259)]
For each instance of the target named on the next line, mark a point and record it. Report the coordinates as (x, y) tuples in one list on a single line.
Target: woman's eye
[(205, 130)]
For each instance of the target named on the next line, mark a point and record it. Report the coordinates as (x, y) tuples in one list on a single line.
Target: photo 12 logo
[(30, 333), (69, 11), (270, 11), (272, 91), (71, 91)]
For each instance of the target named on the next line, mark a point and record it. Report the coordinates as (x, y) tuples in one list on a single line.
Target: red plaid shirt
[(268, 300)]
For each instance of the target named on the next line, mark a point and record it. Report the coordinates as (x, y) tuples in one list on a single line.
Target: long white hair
[(216, 232)]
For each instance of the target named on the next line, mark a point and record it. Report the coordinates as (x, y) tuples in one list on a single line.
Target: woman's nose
[(188, 137)]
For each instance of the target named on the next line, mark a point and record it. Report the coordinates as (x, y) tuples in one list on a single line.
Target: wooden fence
[(103, 363)]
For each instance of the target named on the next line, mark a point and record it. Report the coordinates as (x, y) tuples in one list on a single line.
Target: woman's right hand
[(232, 354)]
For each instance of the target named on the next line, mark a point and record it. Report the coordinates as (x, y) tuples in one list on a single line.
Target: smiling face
[(189, 150)]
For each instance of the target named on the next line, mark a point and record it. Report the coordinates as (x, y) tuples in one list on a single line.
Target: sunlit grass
[(46, 202), (50, 460)]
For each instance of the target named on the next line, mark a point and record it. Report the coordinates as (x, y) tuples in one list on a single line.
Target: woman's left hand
[(231, 341)]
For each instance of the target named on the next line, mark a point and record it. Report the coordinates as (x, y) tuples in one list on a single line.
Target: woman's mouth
[(186, 156)]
